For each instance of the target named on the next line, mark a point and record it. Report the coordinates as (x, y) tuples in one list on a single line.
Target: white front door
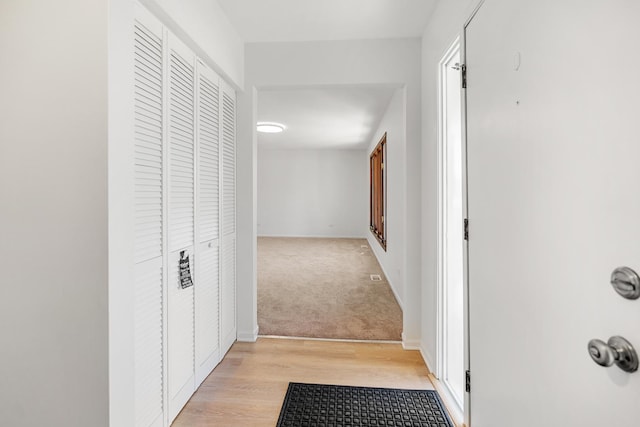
[(554, 207)]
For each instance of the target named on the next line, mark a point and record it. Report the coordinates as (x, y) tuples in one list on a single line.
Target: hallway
[(130, 165)]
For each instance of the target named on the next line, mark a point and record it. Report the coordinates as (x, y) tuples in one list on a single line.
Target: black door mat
[(317, 405)]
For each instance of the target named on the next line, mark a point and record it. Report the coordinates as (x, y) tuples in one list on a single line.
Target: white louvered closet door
[(228, 247), (148, 228), (207, 291), (185, 183), (181, 224)]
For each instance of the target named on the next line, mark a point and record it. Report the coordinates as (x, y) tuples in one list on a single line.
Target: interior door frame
[(465, 208), (455, 47)]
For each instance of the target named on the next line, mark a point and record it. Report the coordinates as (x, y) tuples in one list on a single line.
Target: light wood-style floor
[(248, 387)]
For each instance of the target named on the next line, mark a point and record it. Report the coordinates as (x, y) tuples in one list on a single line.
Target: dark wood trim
[(377, 194)]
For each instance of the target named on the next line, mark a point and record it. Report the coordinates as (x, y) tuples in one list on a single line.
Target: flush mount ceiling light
[(269, 127)]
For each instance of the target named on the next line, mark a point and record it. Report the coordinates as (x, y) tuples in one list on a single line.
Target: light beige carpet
[(321, 288)]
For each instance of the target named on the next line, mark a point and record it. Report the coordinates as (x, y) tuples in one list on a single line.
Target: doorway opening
[(450, 363), (314, 249)]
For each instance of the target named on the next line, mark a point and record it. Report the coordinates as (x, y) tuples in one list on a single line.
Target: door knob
[(617, 350)]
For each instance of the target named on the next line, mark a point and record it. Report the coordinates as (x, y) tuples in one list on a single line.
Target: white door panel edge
[(552, 150), (465, 210), (450, 340)]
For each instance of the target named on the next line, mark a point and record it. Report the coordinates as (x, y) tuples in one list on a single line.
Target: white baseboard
[(391, 285), (281, 337), (408, 344), (248, 336), (393, 289), (311, 236), (428, 359)]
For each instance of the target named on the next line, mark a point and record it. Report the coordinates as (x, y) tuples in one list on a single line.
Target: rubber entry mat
[(317, 405)]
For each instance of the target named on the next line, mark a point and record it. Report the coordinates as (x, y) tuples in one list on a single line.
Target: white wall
[(121, 214), (66, 181), (204, 27), (314, 193), (310, 64), (53, 187), (392, 260), (443, 27)]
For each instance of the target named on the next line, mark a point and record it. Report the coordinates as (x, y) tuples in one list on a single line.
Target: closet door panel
[(229, 161), (148, 168), (181, 148), (181, 208), (228, 246), (148, 362), (148, 225), (208, 230), (207, 312), (181, 380), (228, 294), (209, 155)]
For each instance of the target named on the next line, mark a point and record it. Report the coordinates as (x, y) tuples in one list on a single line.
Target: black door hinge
[(468, 381), (466, 229), (463, 71)]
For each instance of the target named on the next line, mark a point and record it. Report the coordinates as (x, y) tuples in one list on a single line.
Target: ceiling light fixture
[(270, 127)]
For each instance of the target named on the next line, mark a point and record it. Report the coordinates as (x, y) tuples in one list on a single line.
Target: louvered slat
[(228, 292), (148, 143), (229, 164), (208, 217), (148, 342), (228, 243), (148, 224), (181, 146), (181, 212), (180, 329), (208, 165), (207, 308)]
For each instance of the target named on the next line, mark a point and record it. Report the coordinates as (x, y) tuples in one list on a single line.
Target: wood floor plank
[(248, 387)]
